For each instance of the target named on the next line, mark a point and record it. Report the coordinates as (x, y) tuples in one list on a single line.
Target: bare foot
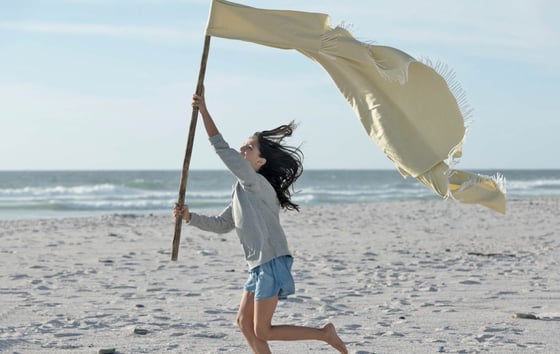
[(333, 339)]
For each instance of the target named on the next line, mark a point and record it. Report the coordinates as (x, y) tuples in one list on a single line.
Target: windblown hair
[(284, 164)]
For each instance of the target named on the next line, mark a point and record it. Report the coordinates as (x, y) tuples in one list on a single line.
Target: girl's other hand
[(183, 212)]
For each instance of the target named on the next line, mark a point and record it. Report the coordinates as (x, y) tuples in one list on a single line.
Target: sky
[(107, 84)]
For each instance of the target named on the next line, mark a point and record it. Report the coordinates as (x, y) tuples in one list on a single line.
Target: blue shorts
[(273, 278)]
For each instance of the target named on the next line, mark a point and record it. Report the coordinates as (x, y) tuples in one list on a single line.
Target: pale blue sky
[(106, 84)]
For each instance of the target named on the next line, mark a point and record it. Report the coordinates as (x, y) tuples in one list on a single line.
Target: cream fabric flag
[(405, 106)]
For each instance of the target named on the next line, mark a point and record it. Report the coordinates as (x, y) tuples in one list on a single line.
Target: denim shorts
[(273, 278)]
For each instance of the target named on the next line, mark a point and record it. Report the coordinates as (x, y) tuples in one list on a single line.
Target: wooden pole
[(188, 152)]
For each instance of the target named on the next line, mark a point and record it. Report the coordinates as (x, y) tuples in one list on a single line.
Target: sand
[(409, 277)]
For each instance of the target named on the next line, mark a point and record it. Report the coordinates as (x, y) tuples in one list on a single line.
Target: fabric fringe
[(455, 87), (448, 74), (347, 26), (500, 181)]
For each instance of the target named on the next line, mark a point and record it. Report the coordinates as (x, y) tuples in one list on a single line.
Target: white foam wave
[(533, 184)]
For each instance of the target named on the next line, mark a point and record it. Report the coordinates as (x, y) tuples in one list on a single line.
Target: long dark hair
[(284, 164)]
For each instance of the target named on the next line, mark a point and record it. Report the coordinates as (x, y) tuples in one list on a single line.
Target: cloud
[(142, 33), (157, 2), (516, 31)]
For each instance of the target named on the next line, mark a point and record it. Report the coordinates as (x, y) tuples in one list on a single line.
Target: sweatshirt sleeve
[(234, 161), (220, 224)]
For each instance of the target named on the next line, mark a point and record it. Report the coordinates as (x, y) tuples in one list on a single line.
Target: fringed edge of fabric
[(455, 87), (450, 77), (498, 179)]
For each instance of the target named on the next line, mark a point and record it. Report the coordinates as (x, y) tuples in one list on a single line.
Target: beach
[(400, 277)]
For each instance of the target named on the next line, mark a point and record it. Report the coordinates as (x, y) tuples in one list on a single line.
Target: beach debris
[(140, 331), (107, 351), (527, 316)]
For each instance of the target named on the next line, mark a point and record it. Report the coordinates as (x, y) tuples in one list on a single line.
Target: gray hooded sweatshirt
[(253, 212)]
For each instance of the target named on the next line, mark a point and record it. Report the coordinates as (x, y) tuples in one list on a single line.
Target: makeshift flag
[(405, 106)]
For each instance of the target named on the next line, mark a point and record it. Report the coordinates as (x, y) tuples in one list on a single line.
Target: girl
[(265, 171)]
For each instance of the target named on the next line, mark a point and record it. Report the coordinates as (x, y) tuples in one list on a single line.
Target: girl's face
[(251, 153)]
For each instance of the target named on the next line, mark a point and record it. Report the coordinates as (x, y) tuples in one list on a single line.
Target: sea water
[(48, 194)]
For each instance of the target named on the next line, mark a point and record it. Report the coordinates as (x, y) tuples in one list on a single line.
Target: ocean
[(59, 194)]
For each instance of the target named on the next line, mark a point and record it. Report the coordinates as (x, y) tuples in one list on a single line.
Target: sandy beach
[(407, 277)]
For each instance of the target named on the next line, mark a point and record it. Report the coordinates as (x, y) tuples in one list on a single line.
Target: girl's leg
[(264, 310), (246, 325)]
